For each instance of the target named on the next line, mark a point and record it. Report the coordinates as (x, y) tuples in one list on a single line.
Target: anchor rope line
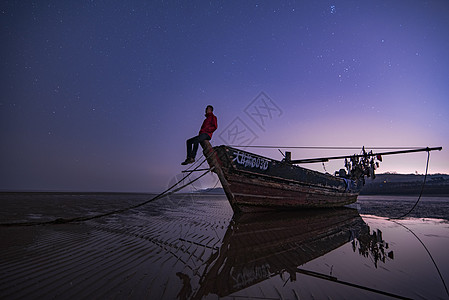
[(163, 194), (430, 255), (420, 193)]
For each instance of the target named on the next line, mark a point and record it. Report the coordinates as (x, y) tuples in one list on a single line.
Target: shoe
[(188, 160)]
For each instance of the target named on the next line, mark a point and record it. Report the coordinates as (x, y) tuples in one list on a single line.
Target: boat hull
[(253, 194), (253, 183)]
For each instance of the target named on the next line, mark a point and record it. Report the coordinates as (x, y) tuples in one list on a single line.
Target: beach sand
[(191, 246)]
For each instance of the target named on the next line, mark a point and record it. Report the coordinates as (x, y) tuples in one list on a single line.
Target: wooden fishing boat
[(253, 182)]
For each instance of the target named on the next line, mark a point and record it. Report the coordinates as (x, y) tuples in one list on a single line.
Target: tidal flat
[(192, 246)]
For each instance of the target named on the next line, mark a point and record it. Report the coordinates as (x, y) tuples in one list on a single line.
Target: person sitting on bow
[(208, 127)]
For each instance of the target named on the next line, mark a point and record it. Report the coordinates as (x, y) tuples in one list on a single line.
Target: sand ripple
[(132, 255)]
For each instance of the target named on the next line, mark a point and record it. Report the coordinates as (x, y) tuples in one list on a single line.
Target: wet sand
[(192, 247)]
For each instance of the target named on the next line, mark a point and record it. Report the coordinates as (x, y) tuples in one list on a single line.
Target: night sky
[(101, 95)]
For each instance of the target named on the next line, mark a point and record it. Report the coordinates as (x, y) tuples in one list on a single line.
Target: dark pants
[(192, 144)]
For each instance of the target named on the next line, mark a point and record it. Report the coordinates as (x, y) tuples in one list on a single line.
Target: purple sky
[(101, 95)]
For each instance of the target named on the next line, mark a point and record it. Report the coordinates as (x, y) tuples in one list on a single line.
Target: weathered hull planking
[(253, 182)]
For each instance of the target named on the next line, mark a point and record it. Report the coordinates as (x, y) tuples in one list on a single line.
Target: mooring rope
[(165, 193), (420, 193), (430, 255)]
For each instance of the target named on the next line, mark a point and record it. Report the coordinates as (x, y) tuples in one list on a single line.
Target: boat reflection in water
[(260, 246)]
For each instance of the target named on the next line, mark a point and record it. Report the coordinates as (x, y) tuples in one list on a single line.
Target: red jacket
[(209, 124)]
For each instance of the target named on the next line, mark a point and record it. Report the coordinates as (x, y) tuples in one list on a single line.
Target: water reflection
[(373, 246), (257, 247)]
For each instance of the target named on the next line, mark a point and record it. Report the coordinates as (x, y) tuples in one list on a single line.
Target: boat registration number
[(249, 161)]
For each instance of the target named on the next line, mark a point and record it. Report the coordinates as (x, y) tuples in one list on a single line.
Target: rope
[(165, 193), (420, 193), (430, 255)]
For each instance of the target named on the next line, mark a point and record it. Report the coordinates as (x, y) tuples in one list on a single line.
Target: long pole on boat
[(324, 159)]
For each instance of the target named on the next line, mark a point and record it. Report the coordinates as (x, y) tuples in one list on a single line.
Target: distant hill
[(212, 191), (404, 184)]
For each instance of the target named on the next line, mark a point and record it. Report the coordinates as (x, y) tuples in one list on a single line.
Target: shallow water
[(193, 247)]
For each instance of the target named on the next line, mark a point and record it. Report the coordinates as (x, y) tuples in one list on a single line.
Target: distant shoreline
[(407, 195), (75, 193), (437, 185)]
